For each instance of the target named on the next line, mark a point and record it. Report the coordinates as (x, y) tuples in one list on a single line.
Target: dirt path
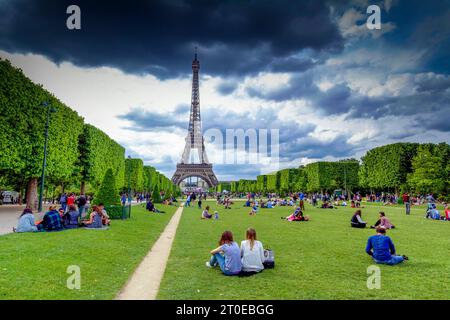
[(145, 281)]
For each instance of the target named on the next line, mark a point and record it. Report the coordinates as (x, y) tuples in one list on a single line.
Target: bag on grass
[(269, 259)]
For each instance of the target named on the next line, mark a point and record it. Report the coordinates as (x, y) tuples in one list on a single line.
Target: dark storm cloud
[(313, 148), (226, 87), (158, 36)]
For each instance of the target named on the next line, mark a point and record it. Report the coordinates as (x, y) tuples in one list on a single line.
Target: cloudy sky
[(311, 69)]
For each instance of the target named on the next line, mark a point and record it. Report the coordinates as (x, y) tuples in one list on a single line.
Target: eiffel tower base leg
[(203, 171)]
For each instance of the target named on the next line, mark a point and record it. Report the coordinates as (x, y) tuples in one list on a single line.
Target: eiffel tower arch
[(195, 140)]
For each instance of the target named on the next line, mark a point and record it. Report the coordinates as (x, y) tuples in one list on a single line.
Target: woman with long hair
[(356, 221), (26, 222), (227, 255), (252, 252)]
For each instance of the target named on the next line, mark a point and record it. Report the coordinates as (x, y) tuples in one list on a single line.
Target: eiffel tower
[(195, 140)]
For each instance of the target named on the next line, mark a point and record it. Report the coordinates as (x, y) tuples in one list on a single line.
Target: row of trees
[(78, 154), (400, 167)]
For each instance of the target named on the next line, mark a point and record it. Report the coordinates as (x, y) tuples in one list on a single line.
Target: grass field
[(33, 266), (320, 259)]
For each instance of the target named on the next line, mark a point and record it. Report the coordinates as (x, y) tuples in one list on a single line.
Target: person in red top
[(407, 202), (447, 213), (71, 200)]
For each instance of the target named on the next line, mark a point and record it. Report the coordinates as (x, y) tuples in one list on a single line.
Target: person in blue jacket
[(382, 249)]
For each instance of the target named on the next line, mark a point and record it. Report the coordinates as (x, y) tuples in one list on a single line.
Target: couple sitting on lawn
[(297, 216), (232, 260), (383, 221), (207, 215), (57, 220)]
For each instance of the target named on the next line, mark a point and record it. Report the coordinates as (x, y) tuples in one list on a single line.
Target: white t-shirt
[(252, 260)]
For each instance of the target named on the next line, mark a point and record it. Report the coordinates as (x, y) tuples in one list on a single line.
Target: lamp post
[(44, 162), (129, 186)]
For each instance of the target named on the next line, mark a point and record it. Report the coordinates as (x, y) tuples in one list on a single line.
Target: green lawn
[(33, 266), (320, 259)]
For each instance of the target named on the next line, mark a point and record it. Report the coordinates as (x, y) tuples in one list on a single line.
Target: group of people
[(433, 213), (232, 259), (59, 219)]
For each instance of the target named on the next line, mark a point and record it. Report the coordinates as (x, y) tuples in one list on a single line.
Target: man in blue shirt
[(382, 249)]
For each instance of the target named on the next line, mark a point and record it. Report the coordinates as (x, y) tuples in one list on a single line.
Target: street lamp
[(44, 162), (129, 186)]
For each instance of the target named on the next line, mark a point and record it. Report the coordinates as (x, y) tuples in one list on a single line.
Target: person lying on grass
[(26, 222), (206, 214), (252, 253), (383, 222), (227, 256), (382, 249), (297, 216), (356, 221)]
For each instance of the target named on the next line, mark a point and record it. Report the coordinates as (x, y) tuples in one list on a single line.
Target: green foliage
[(149, 178), (246, 185), (261, 183), (23, 126), (428, 165), (234, 186), (108, 193), (273, 182), (328, 176), (98, 153), (156, 195), (387, 167), (134, 174)]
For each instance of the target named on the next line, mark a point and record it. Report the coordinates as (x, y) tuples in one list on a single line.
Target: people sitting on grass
[(227, 256), (105, 219), (151, 207), (247, 203), (269, 205), (252, 253), (432, 212), (383, 222), (327, 205), (52, 221), (447, 213), (71, 218), (254, 209), (297, 216), (26, 222), (356, 221), (206, 214), (96, 219), (382, 249), (216, 215)]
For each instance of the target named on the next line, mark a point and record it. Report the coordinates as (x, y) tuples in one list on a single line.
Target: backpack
[(269, 259)]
